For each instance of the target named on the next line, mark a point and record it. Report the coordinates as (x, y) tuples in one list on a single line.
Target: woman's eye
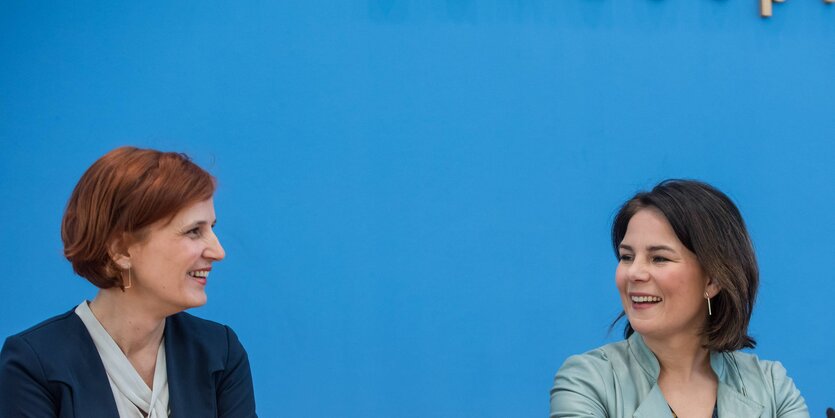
[(658, 259), (194, 232), (625, 257)]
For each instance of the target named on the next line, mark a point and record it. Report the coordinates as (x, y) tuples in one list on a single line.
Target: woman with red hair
[(139, 227)]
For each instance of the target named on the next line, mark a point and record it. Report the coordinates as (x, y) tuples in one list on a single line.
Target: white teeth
[(199, 273), (645, 299)]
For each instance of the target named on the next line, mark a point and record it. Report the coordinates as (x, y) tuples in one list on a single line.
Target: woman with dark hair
[(687, 278), (139, 227)]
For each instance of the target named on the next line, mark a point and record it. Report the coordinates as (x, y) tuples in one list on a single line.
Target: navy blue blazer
[(54, 370)]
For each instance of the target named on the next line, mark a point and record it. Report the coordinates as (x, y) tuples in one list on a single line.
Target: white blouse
[(134, 399)]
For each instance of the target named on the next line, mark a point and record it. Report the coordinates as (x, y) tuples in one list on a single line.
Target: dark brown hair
[(708, 223), (122, 193)]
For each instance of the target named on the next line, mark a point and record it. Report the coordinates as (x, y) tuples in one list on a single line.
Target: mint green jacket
[(620, 380)]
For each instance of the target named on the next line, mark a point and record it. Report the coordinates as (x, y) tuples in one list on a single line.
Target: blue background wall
[(415, 196)]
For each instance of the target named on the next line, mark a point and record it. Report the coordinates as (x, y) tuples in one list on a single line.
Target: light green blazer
[(619, 380)]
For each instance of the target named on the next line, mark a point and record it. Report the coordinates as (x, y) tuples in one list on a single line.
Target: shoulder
[(595, 362), (196, 327), (66, 328), (209, 350), (767, 381), (583, 373), (49, 328), (582, 384), (589, 373), (201, 334), (750, 367), (36, 366), (55, 350)]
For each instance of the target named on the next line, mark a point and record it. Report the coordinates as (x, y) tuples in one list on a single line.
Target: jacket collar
[(87, 371), (191, 390), (730, 401)]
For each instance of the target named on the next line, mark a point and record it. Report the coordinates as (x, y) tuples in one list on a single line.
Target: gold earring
[(709, 312), (129, 281)]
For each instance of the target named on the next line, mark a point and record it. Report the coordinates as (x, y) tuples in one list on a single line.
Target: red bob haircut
[(121, 194)]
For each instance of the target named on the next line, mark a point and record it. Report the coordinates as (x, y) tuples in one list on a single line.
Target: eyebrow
[(200, 223), (650, 248)]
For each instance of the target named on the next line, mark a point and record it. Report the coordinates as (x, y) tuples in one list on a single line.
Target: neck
[(681, 357), (131, 325)]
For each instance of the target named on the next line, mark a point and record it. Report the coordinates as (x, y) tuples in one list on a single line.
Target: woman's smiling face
[(661, 283), (170, 266)]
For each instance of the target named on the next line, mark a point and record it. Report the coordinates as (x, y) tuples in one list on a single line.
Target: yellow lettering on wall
[(765, 8)]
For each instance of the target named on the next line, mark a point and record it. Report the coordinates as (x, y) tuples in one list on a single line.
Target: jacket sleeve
[(787, 399), (24, 389), (578, 389), (235, 395)]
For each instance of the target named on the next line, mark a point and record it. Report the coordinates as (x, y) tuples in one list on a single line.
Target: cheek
[(620, 279), (184, 257), (684, 286)]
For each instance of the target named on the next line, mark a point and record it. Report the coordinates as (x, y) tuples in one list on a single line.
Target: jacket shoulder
[(202, 327), (768, 382), (750, 367), (580, 386), (49, 327), (203, 351), (189, 329), (66, 328), (600, 359), (201, 336)]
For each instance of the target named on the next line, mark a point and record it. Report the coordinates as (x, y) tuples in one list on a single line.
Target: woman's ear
[(118, 252), (712, 288)]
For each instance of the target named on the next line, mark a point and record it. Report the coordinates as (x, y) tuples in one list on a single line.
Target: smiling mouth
[(201, 275), (645, 299)]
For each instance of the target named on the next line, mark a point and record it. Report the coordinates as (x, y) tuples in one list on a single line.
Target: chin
[(195, 301), (199, 303), (641, 326)]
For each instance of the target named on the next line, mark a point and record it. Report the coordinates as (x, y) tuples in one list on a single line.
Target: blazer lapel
[(732, 404), (654, 405), (93, 396), (179, 399), (188, 386), (729, 401)]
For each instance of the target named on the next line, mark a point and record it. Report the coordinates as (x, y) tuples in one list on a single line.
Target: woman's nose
[(214, 250), (638, 271)]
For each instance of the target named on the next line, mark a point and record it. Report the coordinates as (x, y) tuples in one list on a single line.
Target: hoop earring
[(709, 311)]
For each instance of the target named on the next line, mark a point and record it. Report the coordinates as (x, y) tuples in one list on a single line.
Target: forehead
[(650, 224), (203, 211)]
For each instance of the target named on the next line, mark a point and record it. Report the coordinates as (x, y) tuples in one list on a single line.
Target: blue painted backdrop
[(415, 196)]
